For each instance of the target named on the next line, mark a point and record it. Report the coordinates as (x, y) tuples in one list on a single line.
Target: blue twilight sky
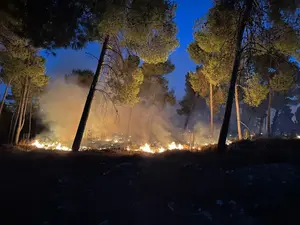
[(187, 12)]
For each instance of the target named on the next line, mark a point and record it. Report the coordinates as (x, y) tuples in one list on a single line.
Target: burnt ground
[(253, 183)]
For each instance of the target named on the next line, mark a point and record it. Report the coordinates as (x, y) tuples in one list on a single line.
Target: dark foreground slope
[(254, 183)]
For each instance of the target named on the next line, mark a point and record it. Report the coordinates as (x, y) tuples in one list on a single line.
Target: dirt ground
[(253, 183)]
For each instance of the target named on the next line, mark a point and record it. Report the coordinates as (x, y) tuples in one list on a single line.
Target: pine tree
[(155, 88), (244, 29), (188, 103), (83, 78), (144, 30), (22, 70), (31, 80), (64, 23), (214, 95)]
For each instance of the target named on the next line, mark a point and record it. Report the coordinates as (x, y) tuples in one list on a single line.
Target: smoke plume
[(61, 107)]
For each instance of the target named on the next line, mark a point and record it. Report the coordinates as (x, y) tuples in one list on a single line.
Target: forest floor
[(255, 182)]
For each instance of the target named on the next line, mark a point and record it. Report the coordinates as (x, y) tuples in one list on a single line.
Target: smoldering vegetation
[(61, 107), (62, 103)]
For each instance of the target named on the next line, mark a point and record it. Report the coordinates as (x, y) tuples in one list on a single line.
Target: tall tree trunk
[(29, 121), (187, 120), (12, 122), (236, 65), (274, 122), (21, 114), (192, 140), (4, 97), (211, 101), (129, 122), (238, 115), (15, 122), (261, 124), (269, 114), (25, 107), (17, 127), (89, 99)]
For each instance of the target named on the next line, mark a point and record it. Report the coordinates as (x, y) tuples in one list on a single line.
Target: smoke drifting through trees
[(61, 107)]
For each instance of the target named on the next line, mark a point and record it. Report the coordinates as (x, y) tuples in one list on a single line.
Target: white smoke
[(62, 105)]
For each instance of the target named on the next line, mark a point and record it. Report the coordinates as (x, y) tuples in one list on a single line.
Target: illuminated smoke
[(61, 108)]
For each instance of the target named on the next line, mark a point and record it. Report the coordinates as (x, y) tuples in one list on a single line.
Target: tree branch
[(113, 70), (92, 55), (106, 95), (115, 51)]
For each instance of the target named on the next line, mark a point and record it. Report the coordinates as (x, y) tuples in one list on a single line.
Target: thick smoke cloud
[(62, 104)]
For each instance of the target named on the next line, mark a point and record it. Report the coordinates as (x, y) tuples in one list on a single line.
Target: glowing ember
[(38, 144), (53, 146), (228, 142), (146, 148), (161, 149), (173, 146)]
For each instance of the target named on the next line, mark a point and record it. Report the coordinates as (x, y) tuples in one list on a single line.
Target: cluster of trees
[(135, 37), (149, 97), (23, 72), (247, 49), (131, 31)]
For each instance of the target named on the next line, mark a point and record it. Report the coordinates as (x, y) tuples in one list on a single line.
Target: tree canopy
[(237, 34), (148, 30), (157, 69), (255, 91), (200, 85), (86, 20), (83, 78), (155, 89), (189, 98), (59, 23), (125, 85)]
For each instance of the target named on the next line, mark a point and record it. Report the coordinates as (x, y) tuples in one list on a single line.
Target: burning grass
[(143, 148), (240, 152), (113, 144)]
